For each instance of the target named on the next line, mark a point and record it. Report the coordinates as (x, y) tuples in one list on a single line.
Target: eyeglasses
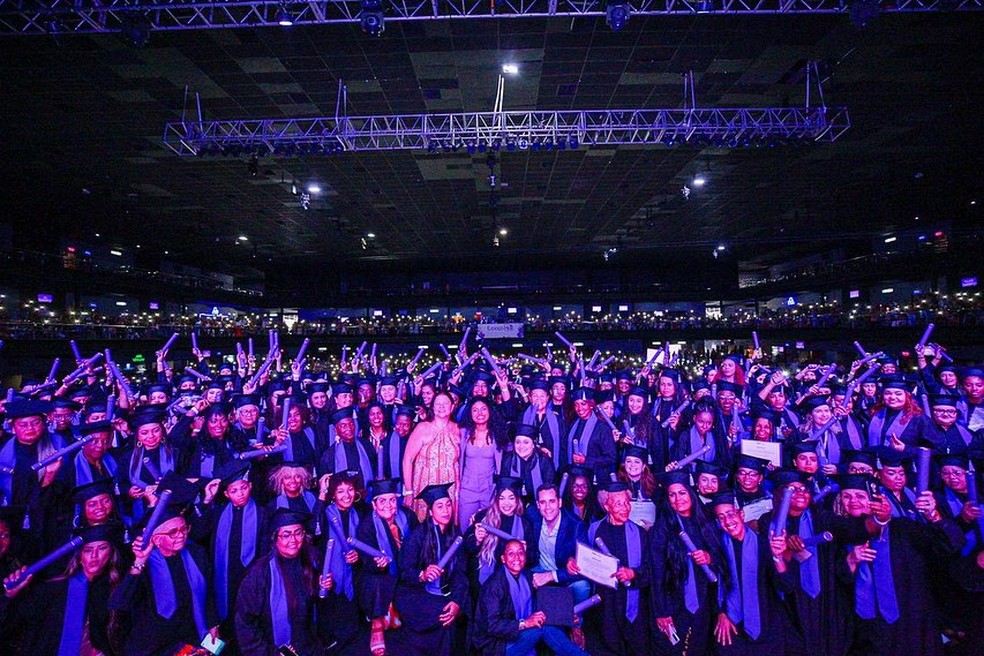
[(287, 535), (797, 489), (731, 514), (945, 413), (176, 532)]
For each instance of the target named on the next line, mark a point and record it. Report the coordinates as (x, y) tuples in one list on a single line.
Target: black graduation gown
[(777, 635), (422, 634), (826, 621), (327, 463), (376, 586), (36, 617), (340, 619), (694, 629), (41, 502), (965, 604), (254, 622), (496, 624), (601, 455), (607, 629), (387, 445), (193, 451), (513, 465), (206, 530), (913, 546), (473, 548), (151, 633)]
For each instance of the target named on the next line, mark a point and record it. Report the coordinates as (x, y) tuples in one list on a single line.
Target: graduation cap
[(734, 357), (633, 451), (959, 459), (111, 532), (624, 374), (314, 388), (341, 388), (803, 447), (635, 390), (672, 374), (183, 494), (245, 400), (286, 517), (866, 457), (667, 478), (219, 408), (158, 387), (84, 493), (785, 476), (339, 415), (96, 427), (761, 465), (553, 380), (27, 408), (147, 415), (407, 410), (889, 457), (580, 470), (814, 402), (726, 386), (614, 486), (382, 486), (232, 471), (510, 483), (699, 385), (538, 384), (606, 377), (943, 400), (80, 393), (583, 394), (434, 493), (702, 467), (854, 481), (603, 396), (723, 498), (894, 382), (526, 430), (61, 402)]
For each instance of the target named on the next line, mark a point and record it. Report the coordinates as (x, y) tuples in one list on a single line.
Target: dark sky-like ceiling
[(81, 147)]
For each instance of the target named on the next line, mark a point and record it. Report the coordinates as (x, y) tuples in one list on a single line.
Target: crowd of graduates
[(465, 509)]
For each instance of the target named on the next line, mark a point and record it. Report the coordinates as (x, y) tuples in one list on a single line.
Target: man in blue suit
[(552, 544)]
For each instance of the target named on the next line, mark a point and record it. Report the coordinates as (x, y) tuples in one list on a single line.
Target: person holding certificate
[(620, 625)]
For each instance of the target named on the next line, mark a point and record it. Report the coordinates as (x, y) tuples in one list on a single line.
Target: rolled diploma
[(676, 411), (691, 547), (925, 336), (51, 558), (779, 520), (566, 342), (683, 462), (922, 464), (256, 453), (367, 549), (326, 565), (155, 517), (60, 453)]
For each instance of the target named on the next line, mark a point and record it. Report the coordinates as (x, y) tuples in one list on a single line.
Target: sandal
[(377, 641)]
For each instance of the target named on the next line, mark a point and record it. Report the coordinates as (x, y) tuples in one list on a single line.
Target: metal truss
[(95, 16), (480, 131)]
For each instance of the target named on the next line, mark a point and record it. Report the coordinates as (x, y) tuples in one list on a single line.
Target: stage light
[(617, 15), (699, 181), (284, 19), (510, 69), (372, 17), (314, 189)]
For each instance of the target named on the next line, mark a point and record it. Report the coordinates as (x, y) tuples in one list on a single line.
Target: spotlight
[(503, 231), (705, 6), (510, 69), (284, 19), (699, 181), (314, 189), (617, 15), (372, 17)]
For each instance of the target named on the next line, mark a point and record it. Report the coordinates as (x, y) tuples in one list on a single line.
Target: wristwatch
[(522, 625)]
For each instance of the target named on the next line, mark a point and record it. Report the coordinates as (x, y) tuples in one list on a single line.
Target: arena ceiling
[(81, 150)]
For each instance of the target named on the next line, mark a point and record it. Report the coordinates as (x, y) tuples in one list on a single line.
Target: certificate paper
[(596, 566), (771, 451), (643, 511)]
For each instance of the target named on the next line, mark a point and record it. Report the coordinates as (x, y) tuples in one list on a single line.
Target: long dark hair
[(497, 428), (365, 426), (309, 569), (675, 572), (428, 551)]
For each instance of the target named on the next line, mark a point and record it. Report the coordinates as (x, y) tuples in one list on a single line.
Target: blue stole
[(877, 428), (342, 463), (137, 466), (810, 570), (164, 598), (516, 471), (278, 605), (633, 547), (522, 599), (48, 443), (875, 584), (83, 470), (956, 507), (690, 599), (73, 623), (341, 571), (309, 500), (395, 458), (221, 550), (485, 569), (550, 419), (383, 536), (742, 603), (309, 434), (697, 443), (582, 446)]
